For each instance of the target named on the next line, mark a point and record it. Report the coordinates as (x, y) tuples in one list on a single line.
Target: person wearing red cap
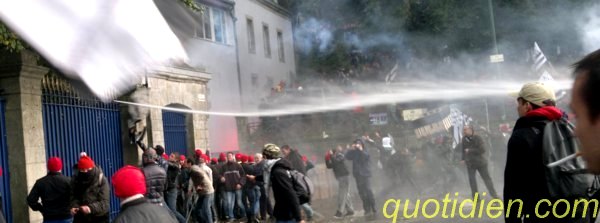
[(251, 189), (54, 190), (90, 201), (234, 177), (222, 158), (129, 185)]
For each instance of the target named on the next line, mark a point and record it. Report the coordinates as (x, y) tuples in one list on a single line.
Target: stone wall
[(183, 88)]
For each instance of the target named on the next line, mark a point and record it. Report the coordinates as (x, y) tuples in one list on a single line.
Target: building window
[(251, 40), (267, 41), (212, 21), (280, 46), (219, 24), (254, 80), (204, 31)]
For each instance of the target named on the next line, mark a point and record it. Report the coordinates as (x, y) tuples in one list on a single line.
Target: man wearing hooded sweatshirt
[(361, 169), (130, 186), (276, 174), (91, 192), (54, 190), (525, 175)]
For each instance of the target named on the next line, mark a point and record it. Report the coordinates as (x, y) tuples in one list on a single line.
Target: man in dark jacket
[(130, 187), (474, 157), (90, 200), (335, 160), (55, 192), (251, 189), (287, 205), (361, 169), (525, 173), (156, 177), (173, 172), (233, 176)]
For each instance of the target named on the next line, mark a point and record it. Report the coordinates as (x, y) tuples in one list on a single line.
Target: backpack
[(302, 185), (569, 179)]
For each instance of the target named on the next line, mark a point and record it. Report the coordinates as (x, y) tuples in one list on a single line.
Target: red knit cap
[(238, 157), (214, 160), (250, 159), (222, 157), (54, 164), (129, 181), (165, 156), (205, 158), (244, 158), (181, 157), (85, 162), (198, 153)]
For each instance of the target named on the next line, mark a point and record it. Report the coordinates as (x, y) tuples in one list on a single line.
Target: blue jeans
[(171, 200), (307, 210), (203, 206), (69, 220), (253, 195), (233, 198)]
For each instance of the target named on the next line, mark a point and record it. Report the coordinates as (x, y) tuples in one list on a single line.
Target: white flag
[(539, 59), (392, 74), (546, 77), (105, 43)]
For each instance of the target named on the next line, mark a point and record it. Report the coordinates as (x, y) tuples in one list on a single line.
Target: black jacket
[(476, 154), (296, 160), (338, 164), (524, 176), (287, 205), (173, 172), (249, 170), (234, 174), (142, 211), (55, 191), (361, 161), (92, 190), (156, 181)]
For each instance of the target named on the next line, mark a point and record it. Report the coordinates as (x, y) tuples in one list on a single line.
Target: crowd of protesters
[(256, 187)]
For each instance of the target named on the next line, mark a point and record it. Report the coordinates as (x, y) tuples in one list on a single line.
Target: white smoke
[(591, 29), (313, 33)]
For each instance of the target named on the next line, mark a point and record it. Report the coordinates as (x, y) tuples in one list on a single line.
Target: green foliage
[(9, 40), (192, 5)]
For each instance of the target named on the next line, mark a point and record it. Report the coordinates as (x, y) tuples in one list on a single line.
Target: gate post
[(20, 80)]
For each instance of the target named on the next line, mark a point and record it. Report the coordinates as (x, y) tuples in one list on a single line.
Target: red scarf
[(550, 112)]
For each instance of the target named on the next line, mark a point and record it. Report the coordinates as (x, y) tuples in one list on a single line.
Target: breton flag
[(459, 121), (539, 59), (107, 44), (389, 78)]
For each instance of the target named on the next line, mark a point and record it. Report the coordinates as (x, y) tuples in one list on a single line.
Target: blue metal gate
[(5, 179), (175, 130), (73, 125)]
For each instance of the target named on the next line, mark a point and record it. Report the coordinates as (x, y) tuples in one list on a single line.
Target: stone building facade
[(21, 91)]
